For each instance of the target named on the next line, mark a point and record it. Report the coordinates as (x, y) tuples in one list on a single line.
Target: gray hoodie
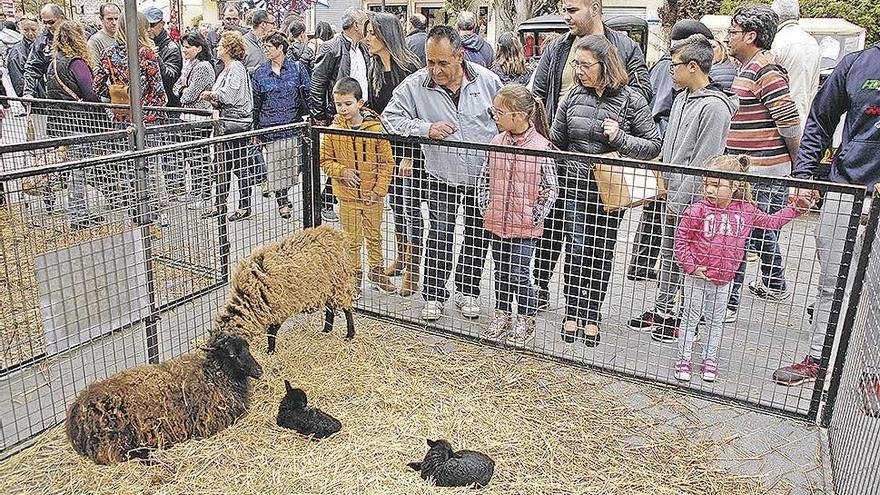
[(697, 131), (417, 102)]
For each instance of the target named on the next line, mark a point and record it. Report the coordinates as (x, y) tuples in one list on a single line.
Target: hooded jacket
[(371, 158), (477, 50), (697, 131), (716, 237), (548, 74), (418, 102), (853, 88)]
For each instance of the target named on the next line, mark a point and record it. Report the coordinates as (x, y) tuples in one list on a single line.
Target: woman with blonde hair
[(112, 78), (510, 62)]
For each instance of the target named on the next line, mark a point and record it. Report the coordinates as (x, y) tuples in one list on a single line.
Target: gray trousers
[(831, 234), (670, 276), (702, 298)]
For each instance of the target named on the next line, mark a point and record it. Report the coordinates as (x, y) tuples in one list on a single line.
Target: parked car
[(533, 31)]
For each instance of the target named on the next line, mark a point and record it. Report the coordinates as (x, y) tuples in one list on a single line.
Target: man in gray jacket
[(698, 125), (263, 25), (449, 100)]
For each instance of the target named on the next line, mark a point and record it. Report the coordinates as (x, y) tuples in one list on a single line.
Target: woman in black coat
[(599, 115)]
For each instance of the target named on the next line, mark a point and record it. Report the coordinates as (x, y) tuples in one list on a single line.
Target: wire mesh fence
[(497, 259), (127, 267), (852, 412)]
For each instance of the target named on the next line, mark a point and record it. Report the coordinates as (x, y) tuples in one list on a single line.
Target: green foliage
[(673, 11), (728, 7)]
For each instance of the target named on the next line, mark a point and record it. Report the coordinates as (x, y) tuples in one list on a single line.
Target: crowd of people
[(744, 104)]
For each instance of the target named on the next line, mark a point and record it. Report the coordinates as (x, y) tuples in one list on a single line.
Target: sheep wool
[(306, 271), (151, 407), (445, 467)]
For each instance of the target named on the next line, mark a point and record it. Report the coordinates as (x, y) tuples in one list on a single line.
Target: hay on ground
[(551, 430)]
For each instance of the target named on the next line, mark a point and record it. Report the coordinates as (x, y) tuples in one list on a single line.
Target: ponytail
[(737, 164), (518, 98)]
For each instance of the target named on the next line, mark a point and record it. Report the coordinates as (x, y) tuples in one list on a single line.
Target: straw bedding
[(21, 241), (551, 430)]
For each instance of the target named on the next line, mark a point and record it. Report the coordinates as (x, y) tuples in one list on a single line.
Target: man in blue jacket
[(853, 88)]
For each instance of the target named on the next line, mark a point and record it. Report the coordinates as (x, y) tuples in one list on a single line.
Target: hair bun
[(744, 162)]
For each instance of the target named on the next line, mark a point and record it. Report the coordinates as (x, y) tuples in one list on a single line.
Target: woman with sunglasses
[(599, 115)]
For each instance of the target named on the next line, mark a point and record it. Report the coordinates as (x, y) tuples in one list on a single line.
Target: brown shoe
[(410, 283), (381, 281), (395, 269)]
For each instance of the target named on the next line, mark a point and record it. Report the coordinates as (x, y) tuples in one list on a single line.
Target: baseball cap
[(154, 15)]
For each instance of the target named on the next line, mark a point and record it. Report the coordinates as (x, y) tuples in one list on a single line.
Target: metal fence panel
[(581, 269)]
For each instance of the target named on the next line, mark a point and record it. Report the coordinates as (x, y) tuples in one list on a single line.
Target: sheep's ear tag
[(287, 386)]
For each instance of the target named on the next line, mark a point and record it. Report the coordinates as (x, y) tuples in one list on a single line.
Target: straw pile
[(551, 430), (21, 241)]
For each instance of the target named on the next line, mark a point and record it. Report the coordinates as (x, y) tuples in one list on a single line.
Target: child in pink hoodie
[(709, 245)]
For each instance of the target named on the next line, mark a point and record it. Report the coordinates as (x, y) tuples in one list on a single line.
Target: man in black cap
[(646, 248)]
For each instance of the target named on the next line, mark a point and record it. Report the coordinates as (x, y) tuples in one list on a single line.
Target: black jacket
[(332, 63), (416, 43), (548, 74), (300, 52), (16, 61), (170, 63), (37, 66), (577, 126)]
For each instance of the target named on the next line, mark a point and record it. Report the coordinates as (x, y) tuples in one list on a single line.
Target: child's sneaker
[(432, 311), (683, 371), (709, 370), (499, 326), (646, 322), (523, 331)]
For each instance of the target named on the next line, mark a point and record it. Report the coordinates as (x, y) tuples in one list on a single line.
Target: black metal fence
[(852, 410)]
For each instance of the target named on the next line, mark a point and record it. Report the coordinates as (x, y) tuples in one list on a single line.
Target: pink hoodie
[(716, 237)]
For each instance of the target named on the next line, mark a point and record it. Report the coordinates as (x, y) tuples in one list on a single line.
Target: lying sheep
[(153, 407), (294, 414), (447, 468), (303, 272)]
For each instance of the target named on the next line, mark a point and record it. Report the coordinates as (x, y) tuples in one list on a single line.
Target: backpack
[(119, 96)]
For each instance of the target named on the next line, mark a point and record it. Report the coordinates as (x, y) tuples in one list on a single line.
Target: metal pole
[(144, 218), (311, 178)]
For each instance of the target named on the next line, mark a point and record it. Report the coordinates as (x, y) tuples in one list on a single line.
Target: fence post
[(852, 309), (222, 225), (312, 200)]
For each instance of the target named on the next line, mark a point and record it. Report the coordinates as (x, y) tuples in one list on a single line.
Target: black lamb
[(447, 468), (293, 413)]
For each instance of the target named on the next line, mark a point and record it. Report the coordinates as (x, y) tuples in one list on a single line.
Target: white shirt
[(358, 66), (798, 52)]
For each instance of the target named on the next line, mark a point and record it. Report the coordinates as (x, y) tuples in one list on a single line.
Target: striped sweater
[(766, 114)]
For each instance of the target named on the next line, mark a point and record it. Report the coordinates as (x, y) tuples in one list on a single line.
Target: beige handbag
[(626, 187)]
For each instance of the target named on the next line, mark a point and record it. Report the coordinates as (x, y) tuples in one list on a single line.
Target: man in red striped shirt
[(767, 128)]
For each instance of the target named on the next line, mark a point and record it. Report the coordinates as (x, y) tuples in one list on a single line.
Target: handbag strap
[(65, 87)]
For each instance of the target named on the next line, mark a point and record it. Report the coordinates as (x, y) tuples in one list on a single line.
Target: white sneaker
[(432, 311), (469, 305), (730, 316)]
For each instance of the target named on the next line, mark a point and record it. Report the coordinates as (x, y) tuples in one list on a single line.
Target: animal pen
[(143, 284)]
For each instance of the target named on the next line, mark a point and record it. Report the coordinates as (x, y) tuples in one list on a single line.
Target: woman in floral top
[(113, 69)]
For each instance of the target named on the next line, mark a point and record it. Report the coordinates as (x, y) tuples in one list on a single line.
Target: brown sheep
[(302, 272), (153, 407)]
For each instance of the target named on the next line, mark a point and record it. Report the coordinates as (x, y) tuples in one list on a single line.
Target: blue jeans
[(443, 202), (770, 199), (512, 258)]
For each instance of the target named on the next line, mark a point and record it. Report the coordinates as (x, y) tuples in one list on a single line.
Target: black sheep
[(447, 468), (293, 413)]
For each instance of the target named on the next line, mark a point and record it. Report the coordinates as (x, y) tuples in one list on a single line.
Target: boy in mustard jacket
[(361, 170)]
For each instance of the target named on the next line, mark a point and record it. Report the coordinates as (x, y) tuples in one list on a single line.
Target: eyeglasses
[(49, 22), (731, 32), (582, 65), (673, 65), (495, 113)]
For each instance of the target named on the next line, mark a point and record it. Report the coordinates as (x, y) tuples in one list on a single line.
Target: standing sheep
[(302, 272), (448, 468), (154, 407)]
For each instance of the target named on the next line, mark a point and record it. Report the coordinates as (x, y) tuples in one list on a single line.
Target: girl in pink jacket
[(516, 194), (710, 245)]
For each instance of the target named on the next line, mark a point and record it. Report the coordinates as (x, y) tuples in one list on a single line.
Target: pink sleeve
[(771, 222), (685, 235)]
